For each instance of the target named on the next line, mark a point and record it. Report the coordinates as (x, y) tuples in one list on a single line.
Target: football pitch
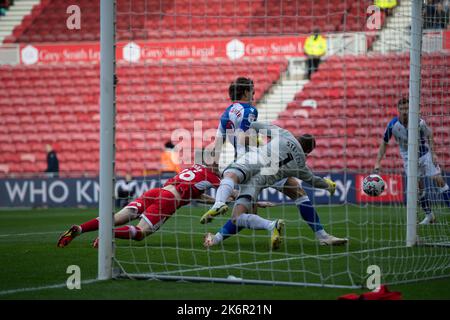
[(34, 268)]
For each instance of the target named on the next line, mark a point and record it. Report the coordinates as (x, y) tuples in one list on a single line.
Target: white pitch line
[(306, 256), (29, 234), (55, 286)]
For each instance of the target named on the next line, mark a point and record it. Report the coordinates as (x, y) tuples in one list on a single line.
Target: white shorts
[(247, 166), (248, 194), (426, 166), (279, 185)]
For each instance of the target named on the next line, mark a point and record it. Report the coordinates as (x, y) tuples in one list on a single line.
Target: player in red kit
[(155, 206)]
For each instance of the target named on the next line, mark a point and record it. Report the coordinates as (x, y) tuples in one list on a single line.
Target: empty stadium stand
[(59, 104), (143, 19), (356, 97)]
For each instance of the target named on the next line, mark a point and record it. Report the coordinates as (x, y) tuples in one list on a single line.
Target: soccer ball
[(373, 185)]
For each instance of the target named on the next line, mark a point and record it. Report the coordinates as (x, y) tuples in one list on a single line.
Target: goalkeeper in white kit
[(234, 124), (283, 157)]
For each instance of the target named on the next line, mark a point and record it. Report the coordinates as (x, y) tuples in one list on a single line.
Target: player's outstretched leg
[(228, 229), (123, 216), (311, 217), (75, 231), (293, 190), (154, 217), (224, 191), (68, 236), (255, 222), (125, 232)]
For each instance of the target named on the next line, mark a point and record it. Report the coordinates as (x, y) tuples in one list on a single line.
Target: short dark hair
[(238, 87), (169, 145), (403, 101), (308, 142)]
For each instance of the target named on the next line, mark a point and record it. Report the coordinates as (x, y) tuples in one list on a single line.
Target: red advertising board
[(446, 39), (51, 53), (393, 190), (139, 51)]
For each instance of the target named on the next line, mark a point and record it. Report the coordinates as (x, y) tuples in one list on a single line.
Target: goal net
[(175, 62)]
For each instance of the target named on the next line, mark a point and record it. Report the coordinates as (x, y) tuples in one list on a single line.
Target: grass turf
[(31, 262)]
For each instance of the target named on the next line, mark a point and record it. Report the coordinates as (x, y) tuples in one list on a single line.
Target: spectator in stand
[(4, 5), (428, 11), (386, 5), (52, 170), (315, 48), (435, 14), (441, 17), (169, 160), (126, 191)]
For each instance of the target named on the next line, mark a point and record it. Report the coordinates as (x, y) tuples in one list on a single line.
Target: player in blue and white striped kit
[(235, 122), (428, 165), (234, 125)]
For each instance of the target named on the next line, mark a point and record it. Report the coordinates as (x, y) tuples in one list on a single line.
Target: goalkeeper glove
[(331, 185)]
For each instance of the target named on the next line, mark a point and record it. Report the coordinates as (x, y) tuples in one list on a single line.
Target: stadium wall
[(231, 48), (84, 192)]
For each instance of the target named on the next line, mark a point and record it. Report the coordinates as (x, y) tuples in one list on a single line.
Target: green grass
[(30, 258)]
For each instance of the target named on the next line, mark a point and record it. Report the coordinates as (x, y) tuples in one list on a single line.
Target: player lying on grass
[(428, 164), (256, 170), (234, 125), (155, 206)]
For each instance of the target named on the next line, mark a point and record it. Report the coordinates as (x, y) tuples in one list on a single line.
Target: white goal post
[(107, 134)]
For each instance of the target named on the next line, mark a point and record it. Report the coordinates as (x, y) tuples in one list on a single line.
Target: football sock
[(255, 222), (225, 190), (308, 213), (425, 203), (445, 191), (128, 232), (227, 230), (91, 225)]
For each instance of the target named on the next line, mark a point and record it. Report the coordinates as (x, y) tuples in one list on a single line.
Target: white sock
[(133, 231), (321, 234), (255, 222), (218, 238), (224, 191)]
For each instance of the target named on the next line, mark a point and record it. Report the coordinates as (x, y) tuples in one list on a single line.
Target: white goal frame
[(107, 148)]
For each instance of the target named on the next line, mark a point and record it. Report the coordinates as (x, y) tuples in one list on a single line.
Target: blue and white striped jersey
[(400, 133), (237, 117)]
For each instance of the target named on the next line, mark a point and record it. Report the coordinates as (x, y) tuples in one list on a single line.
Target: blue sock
[(445, 191), (309, 214), (425, 203), (229, 229)]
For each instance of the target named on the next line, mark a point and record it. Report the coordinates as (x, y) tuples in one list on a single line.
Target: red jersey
[(192, 182)]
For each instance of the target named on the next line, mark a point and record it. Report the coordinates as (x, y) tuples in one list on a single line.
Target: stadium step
[(395, 35), (276, 101), (14, 16)]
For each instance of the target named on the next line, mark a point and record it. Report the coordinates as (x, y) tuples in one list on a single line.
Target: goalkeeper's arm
[(307, 176)]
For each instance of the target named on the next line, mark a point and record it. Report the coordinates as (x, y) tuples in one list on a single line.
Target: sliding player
[(259, 169), (155, 206), (428, 165), (234, 125)]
